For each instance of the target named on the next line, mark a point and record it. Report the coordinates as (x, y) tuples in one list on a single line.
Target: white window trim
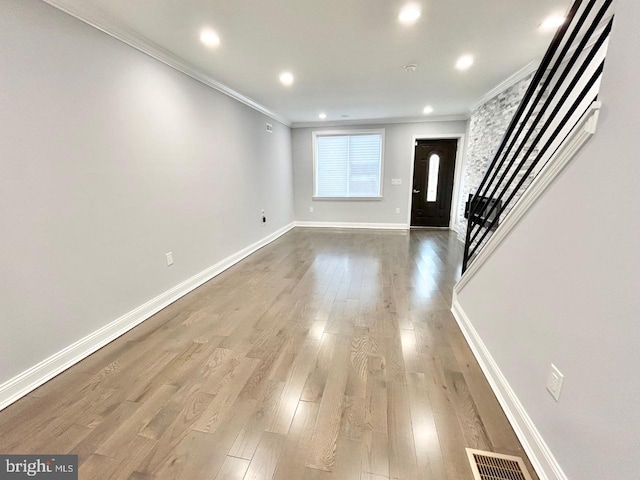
[(326, 133)]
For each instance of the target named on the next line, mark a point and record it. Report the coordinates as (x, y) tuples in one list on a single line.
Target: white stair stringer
[(581, 133)]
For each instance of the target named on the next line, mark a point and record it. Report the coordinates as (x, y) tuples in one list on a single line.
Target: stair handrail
[(573, 39)]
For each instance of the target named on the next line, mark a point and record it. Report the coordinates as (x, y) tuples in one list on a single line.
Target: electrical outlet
[(396, 181), (397, 210), (169, 259), (310, 209), (554, 382)]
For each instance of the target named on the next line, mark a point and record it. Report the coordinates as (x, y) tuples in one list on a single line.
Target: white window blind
[(348, 165)]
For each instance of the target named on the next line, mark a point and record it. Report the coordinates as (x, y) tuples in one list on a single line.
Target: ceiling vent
[(269, 128), (495, 466)]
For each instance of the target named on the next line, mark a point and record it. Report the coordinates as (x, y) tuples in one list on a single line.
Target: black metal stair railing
[(563, 88)]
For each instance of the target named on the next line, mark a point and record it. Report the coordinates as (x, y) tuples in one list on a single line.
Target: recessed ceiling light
[(409, 14), (286, 78), (428, 110), (209, 37), (322, 116), (464, 62), (412, 67), (552, 22)]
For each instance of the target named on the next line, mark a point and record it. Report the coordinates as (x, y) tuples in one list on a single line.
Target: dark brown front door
[(433, 174)]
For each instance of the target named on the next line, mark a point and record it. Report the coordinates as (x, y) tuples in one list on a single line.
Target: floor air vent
[(495, 466)]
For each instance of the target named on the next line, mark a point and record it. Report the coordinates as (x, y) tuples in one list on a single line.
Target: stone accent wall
[(487, 126)]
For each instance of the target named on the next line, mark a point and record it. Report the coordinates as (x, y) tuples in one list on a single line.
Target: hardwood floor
[(328, 354)]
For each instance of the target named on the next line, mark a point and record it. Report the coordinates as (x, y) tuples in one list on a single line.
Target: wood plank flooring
[(328, 354)]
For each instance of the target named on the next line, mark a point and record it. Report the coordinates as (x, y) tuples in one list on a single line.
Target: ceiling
[(347, 56)]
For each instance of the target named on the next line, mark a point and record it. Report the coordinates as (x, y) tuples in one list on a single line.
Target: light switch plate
[(169, 259), (554, 382), (396, 181)]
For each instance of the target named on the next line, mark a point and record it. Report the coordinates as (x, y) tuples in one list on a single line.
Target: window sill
[(348, 199)]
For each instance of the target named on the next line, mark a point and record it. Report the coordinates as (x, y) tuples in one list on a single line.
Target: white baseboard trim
[(29, 380), (375, 226), (539, 454)]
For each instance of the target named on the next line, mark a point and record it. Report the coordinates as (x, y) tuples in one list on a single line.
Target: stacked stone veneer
[(487, 126)]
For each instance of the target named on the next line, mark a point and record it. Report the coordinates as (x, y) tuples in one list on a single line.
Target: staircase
[(561, 94)]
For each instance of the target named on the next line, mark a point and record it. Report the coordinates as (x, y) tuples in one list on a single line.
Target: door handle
[(416, 191)]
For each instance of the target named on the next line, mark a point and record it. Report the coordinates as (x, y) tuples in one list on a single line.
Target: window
[(432, 183), (348, 164)]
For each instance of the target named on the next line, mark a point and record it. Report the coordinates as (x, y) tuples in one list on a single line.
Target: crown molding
[(520, 75), (91, 16), (532, 66), (565, 153), (382, 121)]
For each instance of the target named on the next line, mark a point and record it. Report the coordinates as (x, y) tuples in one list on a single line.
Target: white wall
[(109, 160), (563, 288), (397, 164)]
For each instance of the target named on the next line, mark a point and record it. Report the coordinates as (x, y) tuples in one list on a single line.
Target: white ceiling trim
[(520, 75), (382, 121), (533, 66), (96, 19)]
